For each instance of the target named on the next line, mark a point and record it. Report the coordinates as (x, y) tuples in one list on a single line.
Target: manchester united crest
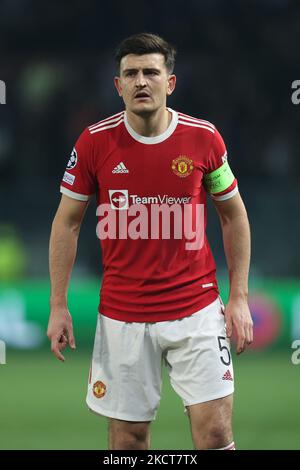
[(99, 389), (182, 166)]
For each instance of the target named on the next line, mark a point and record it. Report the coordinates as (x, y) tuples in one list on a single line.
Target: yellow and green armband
[(219, 179)]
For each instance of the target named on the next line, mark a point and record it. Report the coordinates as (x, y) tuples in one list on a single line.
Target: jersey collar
[(158, 138)]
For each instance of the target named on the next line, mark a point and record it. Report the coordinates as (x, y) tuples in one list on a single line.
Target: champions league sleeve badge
[(73, 160)]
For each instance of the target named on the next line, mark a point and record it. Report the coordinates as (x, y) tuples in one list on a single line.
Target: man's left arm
[(236, 240)]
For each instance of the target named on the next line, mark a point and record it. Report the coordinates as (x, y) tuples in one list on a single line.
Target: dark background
[(235, 67), (236, 62)]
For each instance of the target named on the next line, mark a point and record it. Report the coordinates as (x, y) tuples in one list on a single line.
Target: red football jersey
[(146, 186)]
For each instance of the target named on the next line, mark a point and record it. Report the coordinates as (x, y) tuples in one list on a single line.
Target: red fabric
[(149, 280)]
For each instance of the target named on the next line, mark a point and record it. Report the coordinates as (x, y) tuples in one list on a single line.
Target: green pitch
[(42, 405)]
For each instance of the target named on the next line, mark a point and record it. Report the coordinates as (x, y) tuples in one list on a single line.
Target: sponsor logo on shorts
[(182, 166), (68, 178), (227, 375), (99, 389)]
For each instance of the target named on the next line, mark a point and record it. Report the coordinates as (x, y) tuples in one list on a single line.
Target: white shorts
[(126, 370)]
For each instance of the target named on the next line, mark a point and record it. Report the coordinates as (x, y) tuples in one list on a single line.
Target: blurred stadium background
[(236, 63)]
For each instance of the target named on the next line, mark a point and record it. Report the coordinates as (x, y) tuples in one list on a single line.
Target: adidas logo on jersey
[(121, 168)]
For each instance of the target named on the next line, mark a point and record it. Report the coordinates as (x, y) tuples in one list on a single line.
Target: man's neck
[(150, 125)]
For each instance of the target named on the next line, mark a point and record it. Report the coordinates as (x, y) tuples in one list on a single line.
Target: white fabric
[(71, 194), (127, 359), (158, 138)]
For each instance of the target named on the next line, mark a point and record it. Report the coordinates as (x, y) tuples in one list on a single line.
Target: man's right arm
[(62, 253)]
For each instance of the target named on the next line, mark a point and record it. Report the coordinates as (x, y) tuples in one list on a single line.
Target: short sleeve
[(79, 180), (219, 180)]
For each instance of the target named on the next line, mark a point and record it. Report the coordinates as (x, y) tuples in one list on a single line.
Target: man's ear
[(117, 82), (171, 84)]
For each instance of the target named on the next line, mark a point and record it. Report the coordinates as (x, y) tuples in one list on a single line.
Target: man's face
[(144, 83)]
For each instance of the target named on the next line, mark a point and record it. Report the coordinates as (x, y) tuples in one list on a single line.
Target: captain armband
[(219, 180)]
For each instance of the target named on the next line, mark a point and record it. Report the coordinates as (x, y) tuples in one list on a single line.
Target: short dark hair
[(146, 43)]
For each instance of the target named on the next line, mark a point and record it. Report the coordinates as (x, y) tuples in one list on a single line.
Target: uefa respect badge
[(2, 92)]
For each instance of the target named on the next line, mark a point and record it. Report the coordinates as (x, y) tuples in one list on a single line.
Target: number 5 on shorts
[(224, 348)]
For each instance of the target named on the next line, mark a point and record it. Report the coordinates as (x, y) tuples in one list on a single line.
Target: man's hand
[(60, 331), (238, 317)]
